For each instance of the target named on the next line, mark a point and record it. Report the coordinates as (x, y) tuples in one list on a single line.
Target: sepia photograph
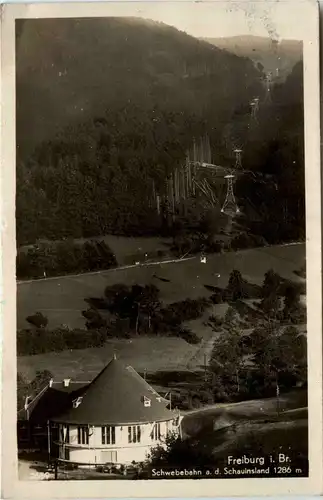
[(167, 252)]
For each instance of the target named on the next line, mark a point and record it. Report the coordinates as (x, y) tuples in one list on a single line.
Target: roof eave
[(116, 424)]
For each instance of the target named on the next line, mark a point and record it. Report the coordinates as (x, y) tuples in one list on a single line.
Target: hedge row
[(39, 341), (65, 257)]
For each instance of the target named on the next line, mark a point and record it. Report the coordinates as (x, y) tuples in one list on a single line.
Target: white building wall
[(122, 452)]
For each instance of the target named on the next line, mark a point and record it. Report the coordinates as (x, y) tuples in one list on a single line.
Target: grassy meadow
[(62, 300)]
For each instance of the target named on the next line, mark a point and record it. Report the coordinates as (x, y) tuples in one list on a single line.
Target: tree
[(41, 379), (25, 388), (94, 319), (149, 302), (38, 320), (292, 305), (270, 303), (235, 286), (227, 364), (271, 283), (231, 316), (280, 356)]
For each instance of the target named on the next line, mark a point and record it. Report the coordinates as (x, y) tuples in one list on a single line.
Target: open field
[(62, 299), (146, 353)]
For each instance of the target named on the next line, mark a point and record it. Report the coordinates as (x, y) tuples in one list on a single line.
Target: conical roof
[(117, 395)]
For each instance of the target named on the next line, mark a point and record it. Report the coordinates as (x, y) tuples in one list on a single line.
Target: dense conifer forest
[(130, 104)]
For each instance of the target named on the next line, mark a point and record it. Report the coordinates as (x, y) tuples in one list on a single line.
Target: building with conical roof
[(117, 418)]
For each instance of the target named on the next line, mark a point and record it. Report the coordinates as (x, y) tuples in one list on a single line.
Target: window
[(108, 435), (65, 434), (83, 435), (155, 435), (134, 434), (147, 402)]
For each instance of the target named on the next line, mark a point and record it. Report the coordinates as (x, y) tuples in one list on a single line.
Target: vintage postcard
[(161, 237)]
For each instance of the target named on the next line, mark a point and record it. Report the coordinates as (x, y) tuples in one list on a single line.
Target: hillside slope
[(69, 70), (264, 51), (62, 299), (108, 108)]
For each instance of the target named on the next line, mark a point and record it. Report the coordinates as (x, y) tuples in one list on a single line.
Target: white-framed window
[(65, 433), (83, 434), (155, 435), (134, 434), (108, 434)]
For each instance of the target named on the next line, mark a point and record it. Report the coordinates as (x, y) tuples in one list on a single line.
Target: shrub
[(38, 320), (187, 310), (189, 336)]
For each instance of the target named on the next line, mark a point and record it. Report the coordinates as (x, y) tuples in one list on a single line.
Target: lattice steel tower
[(254, 108), (238, 155), (230, 206)]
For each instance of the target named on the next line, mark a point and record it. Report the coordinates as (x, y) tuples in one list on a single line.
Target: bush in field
[(94, 319), (187, 310), (38, 320), (189, 336)]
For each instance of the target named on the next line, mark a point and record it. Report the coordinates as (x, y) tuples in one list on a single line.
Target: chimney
[(66, 382), (50, 383)]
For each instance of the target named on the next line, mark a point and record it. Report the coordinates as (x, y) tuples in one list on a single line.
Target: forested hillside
[(108, 106), (271, 55), (275, 147), (125, 98)]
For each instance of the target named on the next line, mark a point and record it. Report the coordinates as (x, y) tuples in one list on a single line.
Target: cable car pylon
[(268, 85), (254, 104), (238, 155), (230, 207)]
